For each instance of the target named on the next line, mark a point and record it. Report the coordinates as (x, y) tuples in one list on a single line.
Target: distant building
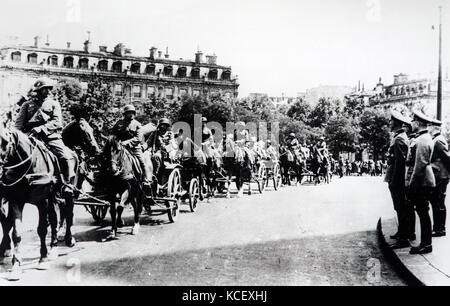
[(313, 95), (130, 76), (411, 93)]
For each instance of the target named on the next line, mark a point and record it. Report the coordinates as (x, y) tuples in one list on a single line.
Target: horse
[(121, 170), (30, 175), (289, 163)]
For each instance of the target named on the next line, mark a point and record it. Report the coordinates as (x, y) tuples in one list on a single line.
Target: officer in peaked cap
[(440, 162), (420, 181), (395, 177)]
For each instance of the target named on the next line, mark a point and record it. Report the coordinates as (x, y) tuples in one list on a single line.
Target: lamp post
[(439, 89)]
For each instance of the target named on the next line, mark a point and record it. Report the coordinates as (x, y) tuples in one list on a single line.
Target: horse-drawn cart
[(273, 173)]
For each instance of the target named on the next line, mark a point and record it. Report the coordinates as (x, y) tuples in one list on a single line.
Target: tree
[(300, 111), (353, 106), (374, 132), (341, 134), (323, 111), (68, 92), (215, 109)]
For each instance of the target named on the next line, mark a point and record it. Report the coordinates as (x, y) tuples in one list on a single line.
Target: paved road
[(307, 235)]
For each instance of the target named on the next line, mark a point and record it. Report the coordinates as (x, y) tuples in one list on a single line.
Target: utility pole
[(439, 89)]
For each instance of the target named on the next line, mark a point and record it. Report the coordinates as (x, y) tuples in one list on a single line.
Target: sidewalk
[(430, 269)]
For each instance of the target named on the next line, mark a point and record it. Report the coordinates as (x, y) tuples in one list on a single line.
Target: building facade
[(412, 93), (313, 95), (132, 77)]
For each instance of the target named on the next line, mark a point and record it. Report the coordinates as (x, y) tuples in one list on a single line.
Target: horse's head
[(113, 156), (86, 133)]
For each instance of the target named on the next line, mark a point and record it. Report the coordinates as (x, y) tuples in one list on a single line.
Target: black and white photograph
[(224, 144)]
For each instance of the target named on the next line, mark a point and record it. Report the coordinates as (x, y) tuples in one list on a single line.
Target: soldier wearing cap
[(128, 131), (440, 161), (207, 139), (41, 117), (420, 179), (161, 143), (395, 177)]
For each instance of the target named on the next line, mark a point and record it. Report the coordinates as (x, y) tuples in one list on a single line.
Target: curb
[(411, 278)]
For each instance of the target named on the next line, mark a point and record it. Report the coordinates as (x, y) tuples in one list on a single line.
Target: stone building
[(130, 76), (412, 93)]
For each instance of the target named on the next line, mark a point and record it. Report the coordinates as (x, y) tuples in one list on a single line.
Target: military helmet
[(291, 135), (164, 121), (204, 119), (43, 83), (129, 108)]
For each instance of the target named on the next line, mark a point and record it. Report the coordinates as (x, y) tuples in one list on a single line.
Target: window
[(150, 91), (195, 73), (53, 60), (150, 69), (118, 90), (117, 67), (181, 73), (169, 93), (183, 92), (196, 92), (68, 62), (102, 65), (16, 56), (84, 63), (212, 74), (226, 75), (137, 91), (32, 58), (168, 70), (135, 68)]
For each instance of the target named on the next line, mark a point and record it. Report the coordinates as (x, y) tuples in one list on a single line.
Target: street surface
[(307, 235)]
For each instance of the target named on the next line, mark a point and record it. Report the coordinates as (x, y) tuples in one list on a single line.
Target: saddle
[(44, 178)]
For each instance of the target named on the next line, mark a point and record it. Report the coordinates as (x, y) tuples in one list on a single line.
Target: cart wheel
[(173, 190), (276, 177), (99, 212), (262, 178), (194, 193)]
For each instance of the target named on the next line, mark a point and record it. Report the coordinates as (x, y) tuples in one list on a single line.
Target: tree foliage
[(375, 133)]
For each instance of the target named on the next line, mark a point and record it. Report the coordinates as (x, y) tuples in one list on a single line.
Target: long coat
[(419, 159), (398, 151), (440, 160)]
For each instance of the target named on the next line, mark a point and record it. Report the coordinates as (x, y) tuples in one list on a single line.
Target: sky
[(274, 46)]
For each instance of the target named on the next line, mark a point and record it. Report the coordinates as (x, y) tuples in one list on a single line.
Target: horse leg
[(16, 221), (43, 208), (113, 213), (53, 206), (69, 240), (123, 200), (5, 220), (137, 208)]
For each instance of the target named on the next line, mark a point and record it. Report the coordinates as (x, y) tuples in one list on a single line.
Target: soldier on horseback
[(128, 131), (161, 143), (41, 117)]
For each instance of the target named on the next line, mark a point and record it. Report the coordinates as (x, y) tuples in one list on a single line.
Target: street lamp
[(439, 89)]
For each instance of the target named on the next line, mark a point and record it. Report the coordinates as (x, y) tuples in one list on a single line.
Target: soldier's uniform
[(395, 177), (161, 144), (440, 161), (43, 119), (420, 181), (129, 132)]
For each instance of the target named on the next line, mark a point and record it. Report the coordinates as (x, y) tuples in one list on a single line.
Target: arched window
[(68, 62), (195, 73), (53, 60), (226, 75), (117, 67), (32, 58), (135, 68), (102, 65), (150, 69), (16, 56), (168, 70), (181, 73), (83, 63), (212, 74)]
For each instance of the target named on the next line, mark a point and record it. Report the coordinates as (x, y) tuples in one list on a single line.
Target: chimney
[(167, 53), (36, 41), (119, 50), (152, 52), (127, 51), (211, 59), (103, 49), (87, 45), (48, 42), (159, 54), (68, 45), (199, 57)]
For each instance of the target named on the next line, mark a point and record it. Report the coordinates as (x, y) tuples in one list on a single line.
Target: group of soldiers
[(418, 174)]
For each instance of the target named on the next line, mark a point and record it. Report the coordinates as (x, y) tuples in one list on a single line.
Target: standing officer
[(421, 179), (41, 117), (128, 130), (440, 161), (395, 177)]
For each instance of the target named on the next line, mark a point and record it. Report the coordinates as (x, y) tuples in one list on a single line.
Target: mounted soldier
[(128, 131), (161, 144), (41, 117)]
